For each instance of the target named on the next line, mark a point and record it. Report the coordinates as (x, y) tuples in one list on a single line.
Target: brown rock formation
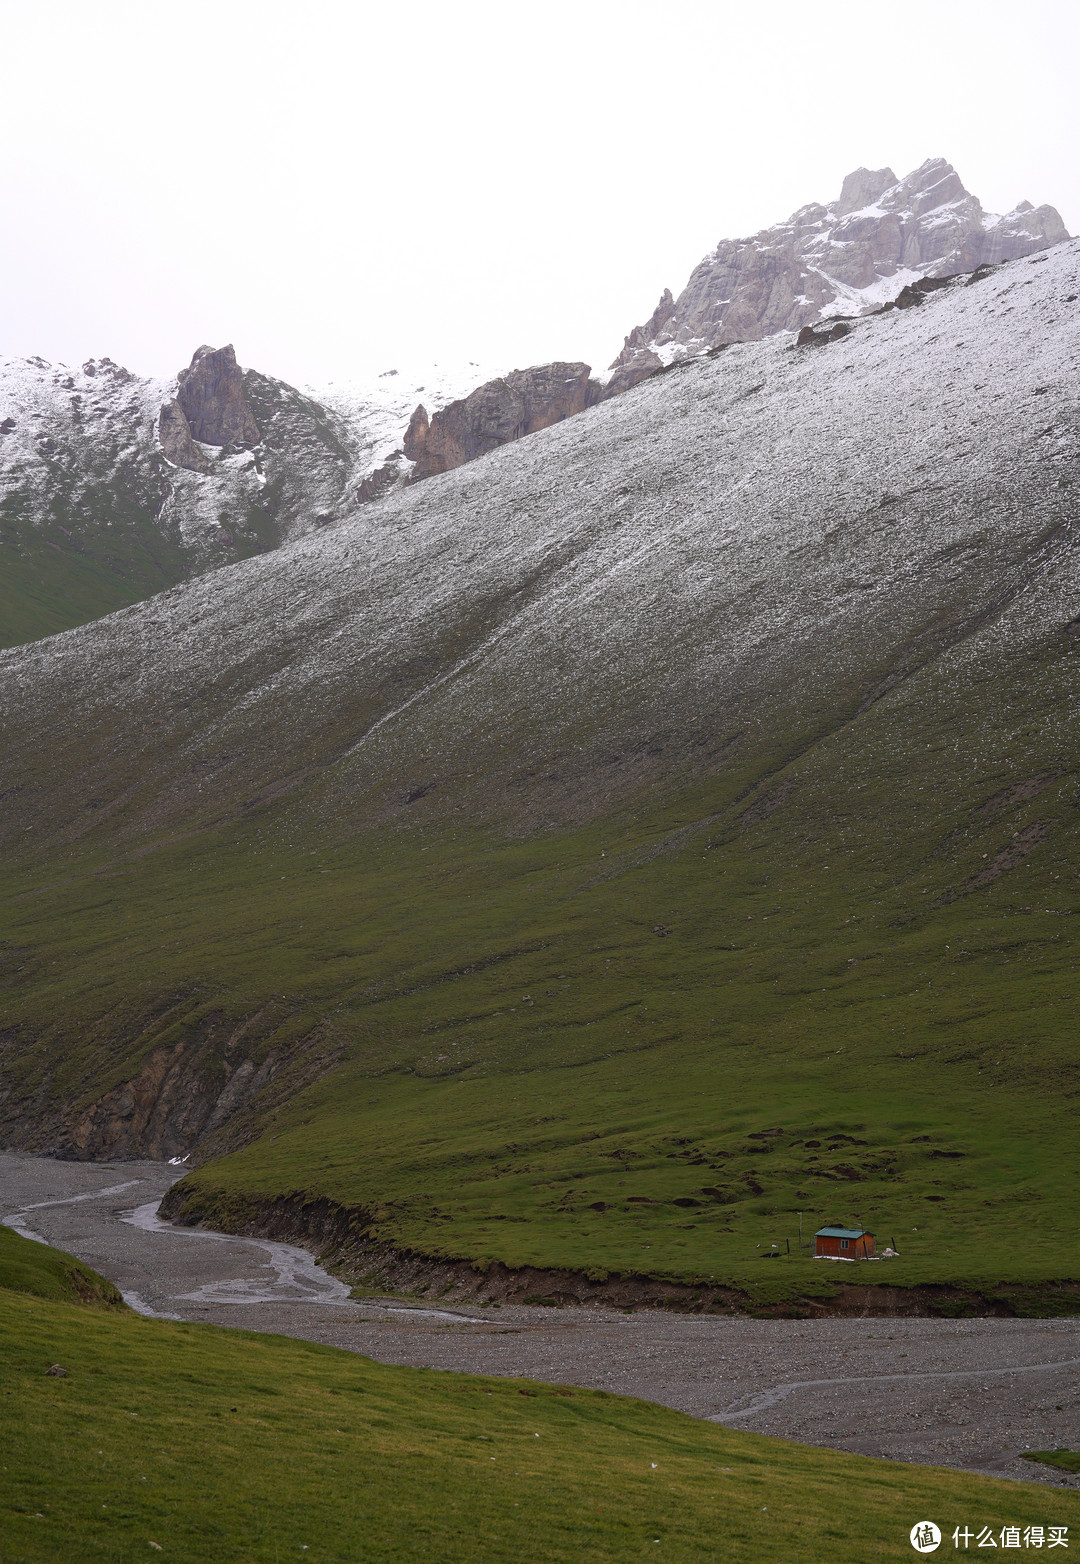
[(641, 336), (496, 413), (211, 397), (637, 367), (380, 482), (416, 434), (174, 437)]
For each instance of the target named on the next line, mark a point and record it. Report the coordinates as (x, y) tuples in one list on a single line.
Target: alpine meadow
[(551, 847)]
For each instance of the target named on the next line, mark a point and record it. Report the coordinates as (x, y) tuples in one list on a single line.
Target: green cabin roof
[(843, 1232)]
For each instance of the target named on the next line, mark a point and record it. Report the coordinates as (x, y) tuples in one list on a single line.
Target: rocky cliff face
[(210, 393), (846, 258), (174, 437), (496, 413)]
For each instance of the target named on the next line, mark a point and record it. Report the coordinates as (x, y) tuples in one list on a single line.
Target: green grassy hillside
[(520, 1033), (506, 865), (209, 1445), (30, 1267)]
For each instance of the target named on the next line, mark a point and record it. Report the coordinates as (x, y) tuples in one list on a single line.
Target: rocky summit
[(845, 258), (210, 399)]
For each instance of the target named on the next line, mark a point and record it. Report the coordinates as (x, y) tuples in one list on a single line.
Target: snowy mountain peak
[(844, 258)]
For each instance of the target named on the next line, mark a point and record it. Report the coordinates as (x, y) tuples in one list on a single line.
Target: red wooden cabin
[(843, 1243)]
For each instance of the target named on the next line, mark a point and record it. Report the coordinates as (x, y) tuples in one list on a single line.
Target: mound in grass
[(1066, 1460), (220, 1445), (26, 1266)]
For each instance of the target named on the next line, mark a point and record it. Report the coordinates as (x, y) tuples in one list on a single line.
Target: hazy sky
[(338, 188)]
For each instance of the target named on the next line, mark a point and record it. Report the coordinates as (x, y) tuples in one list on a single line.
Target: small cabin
[(843, 1243)]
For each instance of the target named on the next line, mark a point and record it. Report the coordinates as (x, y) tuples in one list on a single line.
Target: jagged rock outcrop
[(637, 366), (641, 336), (210, 394), (496, 413), (174, 437), (381, 481), (847, 258), (416, 434)]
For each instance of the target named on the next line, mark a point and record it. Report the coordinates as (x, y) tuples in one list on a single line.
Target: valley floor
[(970, 1393)]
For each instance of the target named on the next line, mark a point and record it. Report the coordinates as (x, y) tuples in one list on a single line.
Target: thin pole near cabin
[(800, 1229)]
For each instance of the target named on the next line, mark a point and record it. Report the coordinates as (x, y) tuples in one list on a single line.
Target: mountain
[(114, 487), (594, 856), (847, 258), (882, 236)]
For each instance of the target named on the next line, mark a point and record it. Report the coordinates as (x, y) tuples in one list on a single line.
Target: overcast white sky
[(338, 188)]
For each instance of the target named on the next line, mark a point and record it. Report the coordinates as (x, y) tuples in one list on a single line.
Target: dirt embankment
[(341, 1238)]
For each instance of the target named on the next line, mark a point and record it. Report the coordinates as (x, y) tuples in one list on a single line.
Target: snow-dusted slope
[(76, 440), (711, 570), (850, 256)]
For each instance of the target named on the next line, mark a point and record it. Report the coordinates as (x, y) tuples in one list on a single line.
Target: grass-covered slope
[(30, 1267), (702, 767), (213, 1445)]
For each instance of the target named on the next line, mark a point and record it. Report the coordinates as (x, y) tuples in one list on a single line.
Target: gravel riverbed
[(971, 1393)]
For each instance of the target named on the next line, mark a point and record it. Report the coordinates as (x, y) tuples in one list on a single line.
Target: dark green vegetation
[(26, 1266), (220, 1445), (52, 581), (527, 1049), (510, 865), (1064, 1460)]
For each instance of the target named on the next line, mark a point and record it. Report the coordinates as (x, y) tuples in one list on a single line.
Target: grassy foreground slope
[(210, 1445), (30, 1267), (699, 769)]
